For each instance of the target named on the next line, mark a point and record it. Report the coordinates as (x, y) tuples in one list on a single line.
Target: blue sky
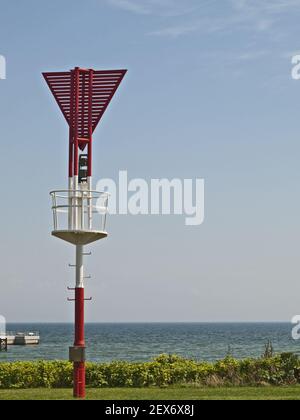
[(208, 94)]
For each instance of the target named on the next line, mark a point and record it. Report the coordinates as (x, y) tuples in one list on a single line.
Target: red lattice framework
[(83, 97)]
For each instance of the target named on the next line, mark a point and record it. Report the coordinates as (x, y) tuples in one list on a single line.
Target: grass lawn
[(184, 393)]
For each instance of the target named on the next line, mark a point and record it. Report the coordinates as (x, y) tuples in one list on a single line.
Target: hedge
[(163, 371)]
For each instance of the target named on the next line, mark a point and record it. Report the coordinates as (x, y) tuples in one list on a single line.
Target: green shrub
[(163, 371)]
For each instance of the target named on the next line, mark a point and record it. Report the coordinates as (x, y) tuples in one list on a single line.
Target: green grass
[(185, 393)]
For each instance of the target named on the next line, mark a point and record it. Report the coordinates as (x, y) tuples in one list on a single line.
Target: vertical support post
[(71, 157), (76, 119), (76, 143), (90, 156), (79, 367), (90, 122)]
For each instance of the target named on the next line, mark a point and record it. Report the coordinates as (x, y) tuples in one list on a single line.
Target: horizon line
[(153, 322)]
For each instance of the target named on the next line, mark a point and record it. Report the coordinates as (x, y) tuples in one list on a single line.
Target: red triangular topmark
[(104, 86)]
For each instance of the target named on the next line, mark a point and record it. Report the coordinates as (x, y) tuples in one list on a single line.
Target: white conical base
[(79, 237)]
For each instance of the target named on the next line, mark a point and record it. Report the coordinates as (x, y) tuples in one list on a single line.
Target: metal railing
[(79, 210)]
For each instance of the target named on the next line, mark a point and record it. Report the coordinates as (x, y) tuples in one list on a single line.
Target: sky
[(208, 94)]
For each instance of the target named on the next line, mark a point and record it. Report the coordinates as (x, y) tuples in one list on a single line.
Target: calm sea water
[(141, 342)]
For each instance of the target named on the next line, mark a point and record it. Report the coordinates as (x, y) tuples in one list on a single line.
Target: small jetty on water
[(19, 339)]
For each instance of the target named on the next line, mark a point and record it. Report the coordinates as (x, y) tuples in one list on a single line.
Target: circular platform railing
[(79, 211)]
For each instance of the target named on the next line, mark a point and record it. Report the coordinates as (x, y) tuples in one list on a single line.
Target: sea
[(143, 342)]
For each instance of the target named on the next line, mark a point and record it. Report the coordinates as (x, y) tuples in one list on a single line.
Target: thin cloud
[(207, 25), (265, 6), (232, 58), (171, 8), (175, 31), (191, 16), (130, 6), (252, 55)]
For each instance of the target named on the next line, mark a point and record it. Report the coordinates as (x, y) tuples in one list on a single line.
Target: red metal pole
[(90, 122), (76, 121), (83, 79), (71, 136), (79, 367)]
